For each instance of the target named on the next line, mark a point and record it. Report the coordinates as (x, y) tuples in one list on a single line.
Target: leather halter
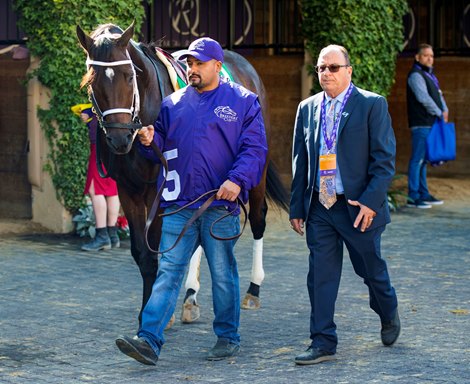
[(136, 124)]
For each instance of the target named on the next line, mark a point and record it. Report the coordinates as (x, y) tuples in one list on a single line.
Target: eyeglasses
[(332, 68)]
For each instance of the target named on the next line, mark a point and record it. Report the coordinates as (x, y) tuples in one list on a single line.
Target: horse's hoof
[(251, 302), (190, 311), (171, 322)]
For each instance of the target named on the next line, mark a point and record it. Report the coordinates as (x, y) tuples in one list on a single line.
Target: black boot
[(101, 241), (114, 237)]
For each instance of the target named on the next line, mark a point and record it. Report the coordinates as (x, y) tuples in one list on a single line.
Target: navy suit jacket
[(365, 154)]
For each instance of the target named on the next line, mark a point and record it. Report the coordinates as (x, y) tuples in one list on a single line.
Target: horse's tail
[(275, 190)]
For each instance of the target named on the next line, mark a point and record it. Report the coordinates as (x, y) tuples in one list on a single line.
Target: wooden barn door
[(15, 190)]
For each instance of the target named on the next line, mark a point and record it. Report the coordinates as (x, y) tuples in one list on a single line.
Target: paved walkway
[(61, 309)]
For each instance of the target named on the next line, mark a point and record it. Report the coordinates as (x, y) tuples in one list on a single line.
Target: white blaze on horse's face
[(109, 73)]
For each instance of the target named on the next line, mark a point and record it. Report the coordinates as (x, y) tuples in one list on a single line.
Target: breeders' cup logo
[(199, 46), (226, 114)]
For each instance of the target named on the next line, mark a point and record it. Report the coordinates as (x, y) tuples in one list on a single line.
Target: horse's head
[(112, 84)]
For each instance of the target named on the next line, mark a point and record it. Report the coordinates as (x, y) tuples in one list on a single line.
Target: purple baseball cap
[(204, 49)]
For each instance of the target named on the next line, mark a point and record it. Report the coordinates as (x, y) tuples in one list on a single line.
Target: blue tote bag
[(440, 143)]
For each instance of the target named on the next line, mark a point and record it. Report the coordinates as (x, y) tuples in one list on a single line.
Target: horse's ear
[(126, 35), (85, 40)]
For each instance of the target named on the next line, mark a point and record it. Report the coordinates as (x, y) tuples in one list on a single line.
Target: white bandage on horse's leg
[(192, 280), (257, 271)]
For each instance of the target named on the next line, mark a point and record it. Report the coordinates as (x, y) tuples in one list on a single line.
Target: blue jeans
[(173, 266), (417, 183)]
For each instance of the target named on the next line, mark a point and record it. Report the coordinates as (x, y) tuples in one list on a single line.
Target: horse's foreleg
[(190, 310), (146, 260), (257, 216)]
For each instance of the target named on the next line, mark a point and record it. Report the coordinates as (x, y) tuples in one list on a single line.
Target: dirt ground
[(454, 191)]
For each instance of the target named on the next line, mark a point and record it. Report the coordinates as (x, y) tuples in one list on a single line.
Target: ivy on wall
[(50, 26), (371, 31)]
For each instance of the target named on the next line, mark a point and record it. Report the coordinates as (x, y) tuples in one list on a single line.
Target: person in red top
[(102, 191)]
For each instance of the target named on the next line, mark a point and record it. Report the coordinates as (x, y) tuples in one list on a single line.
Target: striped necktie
[(327, 182)]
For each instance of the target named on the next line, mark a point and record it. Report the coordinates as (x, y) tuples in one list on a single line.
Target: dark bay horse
[(126, 83)]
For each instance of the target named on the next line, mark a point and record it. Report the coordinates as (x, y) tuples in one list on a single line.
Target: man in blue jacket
[(343, 162), (212, 135)]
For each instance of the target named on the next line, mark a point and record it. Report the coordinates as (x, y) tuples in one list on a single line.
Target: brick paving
[(61, 309)]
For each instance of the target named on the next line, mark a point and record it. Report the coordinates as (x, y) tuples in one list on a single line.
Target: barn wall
[(281, 76)]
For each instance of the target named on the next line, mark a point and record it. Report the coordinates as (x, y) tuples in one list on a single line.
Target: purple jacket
[(208, 138)]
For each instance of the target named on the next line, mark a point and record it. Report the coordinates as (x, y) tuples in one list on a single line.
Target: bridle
[(134, 110)]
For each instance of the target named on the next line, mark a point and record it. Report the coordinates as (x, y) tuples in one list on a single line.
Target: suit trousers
[(327, 231)]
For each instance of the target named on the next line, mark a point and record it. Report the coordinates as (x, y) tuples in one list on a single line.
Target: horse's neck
[(147, 84), (135, 45), (152, 89)]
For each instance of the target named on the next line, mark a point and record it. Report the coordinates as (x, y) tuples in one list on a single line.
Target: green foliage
[(396, 194), (371, 31), (85, 223), (50, 26)]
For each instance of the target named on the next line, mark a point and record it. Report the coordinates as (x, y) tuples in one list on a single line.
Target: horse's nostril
[(120, 144)]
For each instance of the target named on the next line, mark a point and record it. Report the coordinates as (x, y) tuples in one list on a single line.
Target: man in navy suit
[(343, 162)]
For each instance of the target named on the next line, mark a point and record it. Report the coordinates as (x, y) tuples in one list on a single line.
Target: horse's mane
[(103, 36), (149, 49), (106, 29), (87, 78)]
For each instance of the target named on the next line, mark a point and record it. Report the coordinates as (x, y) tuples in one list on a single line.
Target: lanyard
[(431, 75), (330, 140)]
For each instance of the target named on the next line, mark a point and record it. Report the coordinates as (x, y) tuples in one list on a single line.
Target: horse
[(126, 83)]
